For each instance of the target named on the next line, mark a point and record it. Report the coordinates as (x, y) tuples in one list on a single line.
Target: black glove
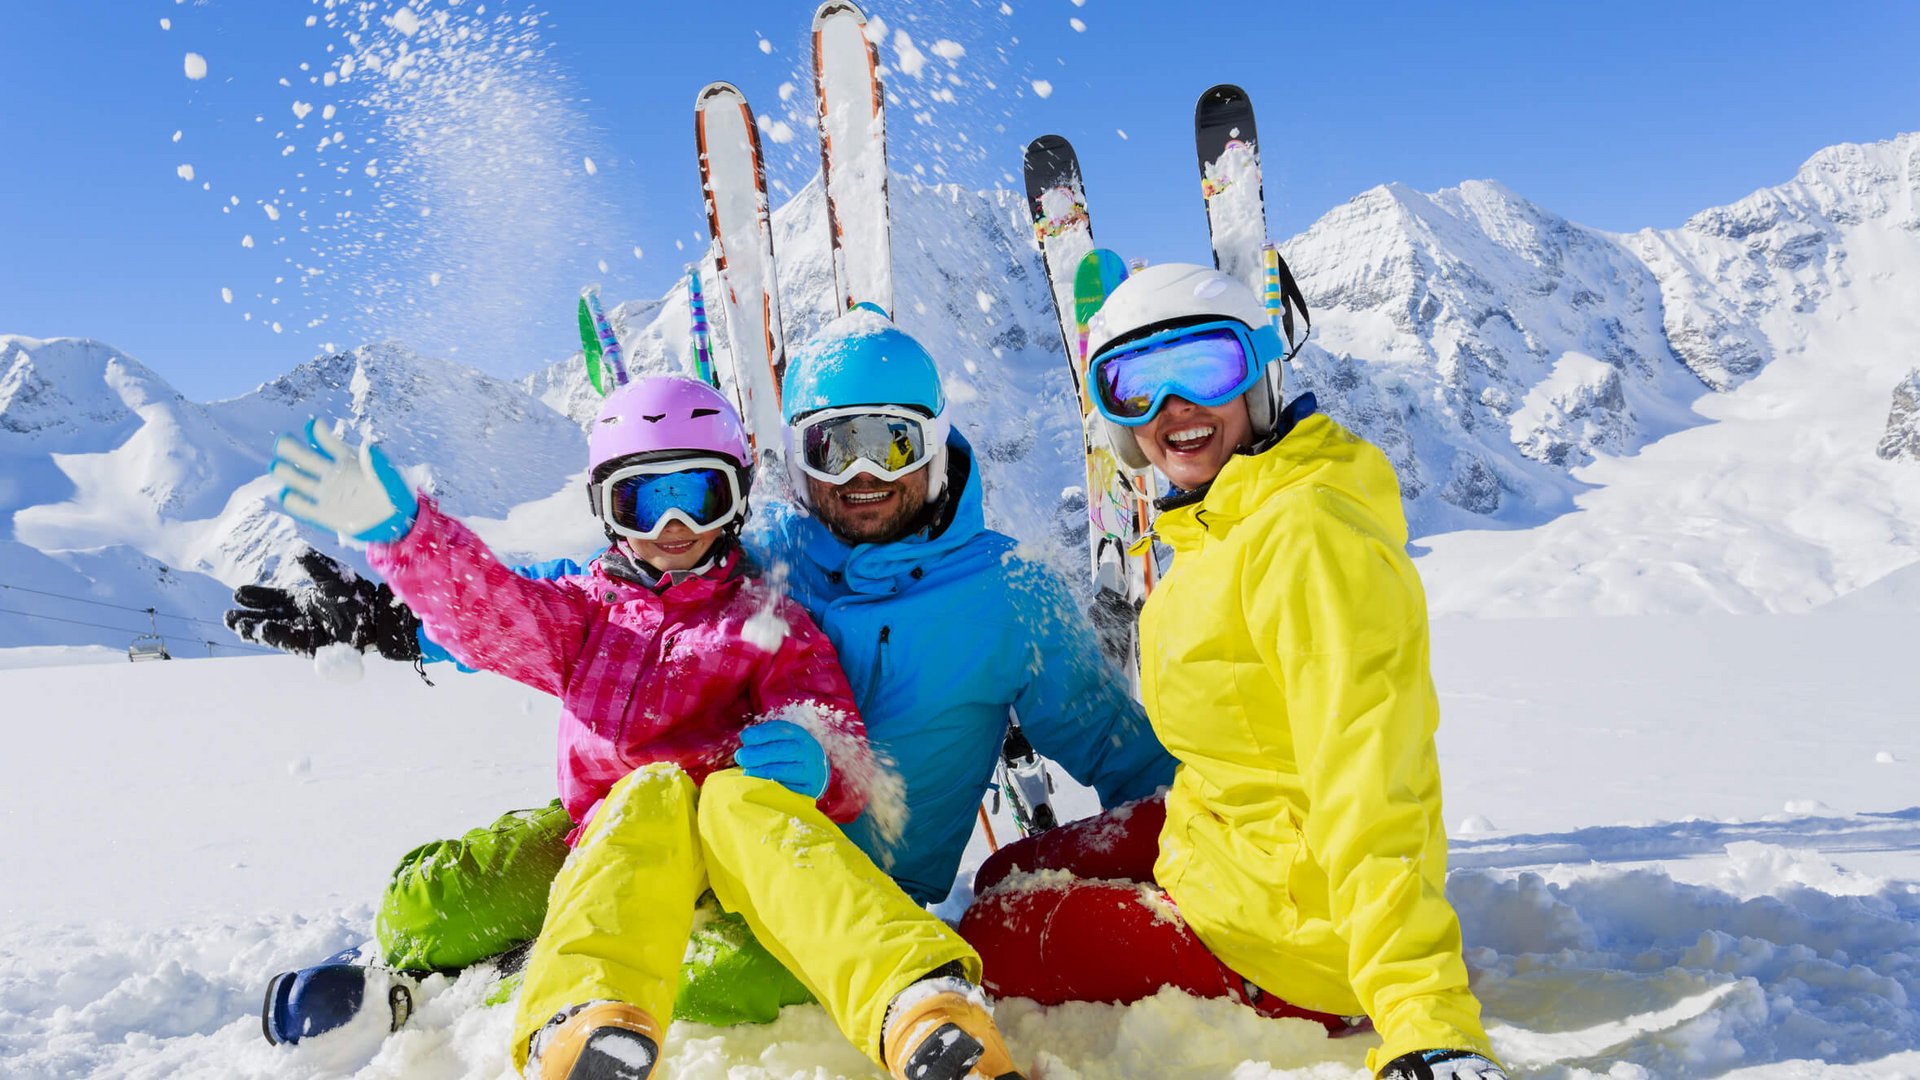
[(339, 608), (1441, 1065)]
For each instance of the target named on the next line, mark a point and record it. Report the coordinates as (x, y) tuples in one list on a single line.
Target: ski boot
[(939, 1029), (318, 999), (602, 1040)]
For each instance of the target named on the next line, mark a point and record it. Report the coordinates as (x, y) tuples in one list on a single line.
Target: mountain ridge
[(1500, 353)]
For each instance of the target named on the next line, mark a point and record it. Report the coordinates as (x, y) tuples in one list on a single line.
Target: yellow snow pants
[(622, 907)]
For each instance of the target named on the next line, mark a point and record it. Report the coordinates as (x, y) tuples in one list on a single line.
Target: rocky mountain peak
[(1902, 438), (1840, 185), (65, 388)]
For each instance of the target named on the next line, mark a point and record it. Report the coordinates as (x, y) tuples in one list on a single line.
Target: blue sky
[(1618, 115)]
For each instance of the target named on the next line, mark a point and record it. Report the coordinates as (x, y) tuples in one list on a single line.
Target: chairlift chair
[(149, 646)]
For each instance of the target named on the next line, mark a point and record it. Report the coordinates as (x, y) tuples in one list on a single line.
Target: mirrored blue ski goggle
[(1208, 363), (641, 500)]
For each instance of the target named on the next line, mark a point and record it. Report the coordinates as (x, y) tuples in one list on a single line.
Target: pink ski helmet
[(666, 415)]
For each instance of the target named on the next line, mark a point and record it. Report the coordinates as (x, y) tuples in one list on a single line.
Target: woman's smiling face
[(1191, 443)]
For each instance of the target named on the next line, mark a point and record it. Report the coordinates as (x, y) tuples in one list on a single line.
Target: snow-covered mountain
[(1494, 347), (1712, 400), (1794, 305), (1488, 345), (119, 492)]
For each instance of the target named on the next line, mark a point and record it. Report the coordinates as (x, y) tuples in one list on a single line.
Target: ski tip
[(832, 8), (1047, 143), (714, 90), (1220, 96), (1221, 92)]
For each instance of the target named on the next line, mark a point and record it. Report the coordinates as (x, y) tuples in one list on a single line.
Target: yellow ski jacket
[(1285, 664)]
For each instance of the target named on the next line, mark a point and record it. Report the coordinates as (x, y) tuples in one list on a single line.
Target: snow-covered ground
[(1683, 846)]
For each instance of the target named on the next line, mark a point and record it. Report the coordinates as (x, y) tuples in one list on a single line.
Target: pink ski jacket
[(642, 676)]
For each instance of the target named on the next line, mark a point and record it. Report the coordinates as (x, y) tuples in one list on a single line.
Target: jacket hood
[(1317, 453)]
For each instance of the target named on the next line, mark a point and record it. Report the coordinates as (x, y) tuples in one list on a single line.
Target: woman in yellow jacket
[(1284, 662)]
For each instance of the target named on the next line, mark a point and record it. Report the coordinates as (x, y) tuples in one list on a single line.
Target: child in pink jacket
[(663, 651), (672, 667)]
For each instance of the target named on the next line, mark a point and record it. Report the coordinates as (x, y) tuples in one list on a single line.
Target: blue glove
[(357, 493), (786, 754)]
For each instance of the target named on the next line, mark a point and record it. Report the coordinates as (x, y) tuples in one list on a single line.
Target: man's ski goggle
[(884, 441), (640, 501), (1208, 363)]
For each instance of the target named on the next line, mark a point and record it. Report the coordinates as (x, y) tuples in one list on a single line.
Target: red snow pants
[(1073, 914)]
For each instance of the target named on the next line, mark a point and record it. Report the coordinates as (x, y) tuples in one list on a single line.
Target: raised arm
[(486, 615)]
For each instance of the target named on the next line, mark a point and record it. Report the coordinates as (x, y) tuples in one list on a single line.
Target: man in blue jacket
[(944, 633), (941, 627)]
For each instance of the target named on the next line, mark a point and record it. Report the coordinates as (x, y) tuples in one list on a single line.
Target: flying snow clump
[(912, 61)]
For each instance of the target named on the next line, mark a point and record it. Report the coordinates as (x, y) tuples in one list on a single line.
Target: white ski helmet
[(1172, 294)]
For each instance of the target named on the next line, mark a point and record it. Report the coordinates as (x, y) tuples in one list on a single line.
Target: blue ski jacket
[(943, 635)]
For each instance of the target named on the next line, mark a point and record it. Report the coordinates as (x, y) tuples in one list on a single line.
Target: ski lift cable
[(124, 630), (103, 603)]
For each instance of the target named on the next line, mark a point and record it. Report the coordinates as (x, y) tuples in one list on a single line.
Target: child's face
[(676, 548)]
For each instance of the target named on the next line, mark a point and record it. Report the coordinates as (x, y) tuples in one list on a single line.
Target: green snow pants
[(453, 903)]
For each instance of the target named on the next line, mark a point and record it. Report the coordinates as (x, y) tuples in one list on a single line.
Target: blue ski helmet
[(861, 358)]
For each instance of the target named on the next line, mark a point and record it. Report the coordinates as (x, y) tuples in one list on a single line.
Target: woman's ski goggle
[(640, 501), (884, 441), (1208, 363)]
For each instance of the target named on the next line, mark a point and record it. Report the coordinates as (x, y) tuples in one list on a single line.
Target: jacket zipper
[(879, 668)]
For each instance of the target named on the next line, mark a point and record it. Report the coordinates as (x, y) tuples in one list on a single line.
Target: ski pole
[(702, 343)]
